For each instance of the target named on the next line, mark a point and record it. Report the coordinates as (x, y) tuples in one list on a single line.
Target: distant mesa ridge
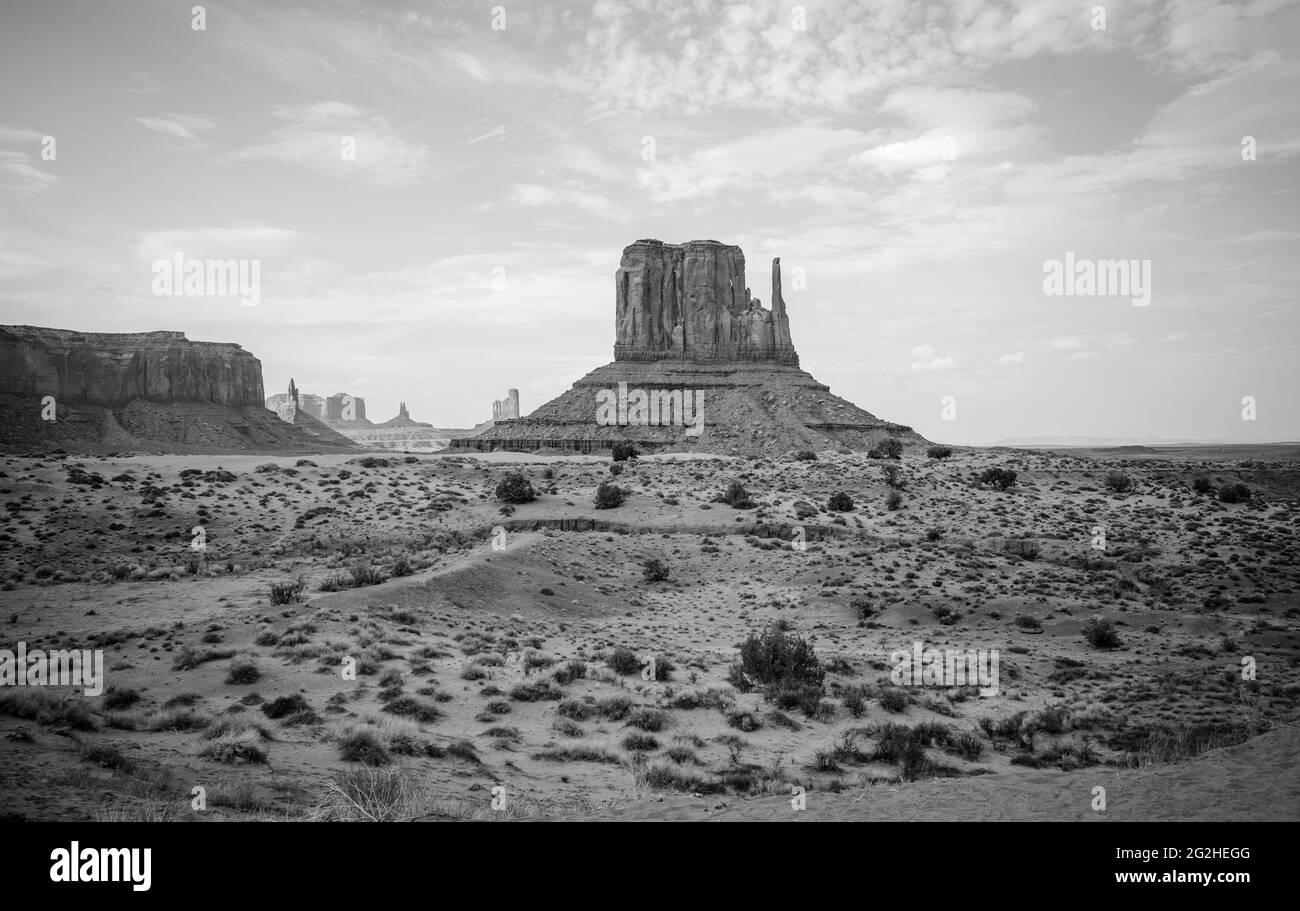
[(152, 391), (685, 321), (110, 368)]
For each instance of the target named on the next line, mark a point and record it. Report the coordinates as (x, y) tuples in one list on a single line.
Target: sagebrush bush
[(1000, 478), (609, 496), (1101, 633), (775, 657), (654, 570), (624, 661), (1234, 493), (516, 488), (1118, 481), (736, 496), (287, 592), (840, 502)]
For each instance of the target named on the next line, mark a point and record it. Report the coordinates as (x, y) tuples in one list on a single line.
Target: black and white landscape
[(847, 411)]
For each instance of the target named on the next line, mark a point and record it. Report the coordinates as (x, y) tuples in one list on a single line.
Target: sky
[(918, 167)]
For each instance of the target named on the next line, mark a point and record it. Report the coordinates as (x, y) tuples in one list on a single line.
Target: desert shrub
[(1202, 485), (609, 496), (855, 700), (539, 691), (285, 706), (362, 747), (335, 583), (364, 574), (840, 502), (189, 658), (736, 496), (287, 592), (236, 746), (939, 452), (999, 478), (640, 743), (1101, 633), (516, 488), (776, 657), (893, 500), (624, 661), (1234, 493), (624, 451), (402, 567), (934, 534), (45, 708), (1025, 621), (792, 694), (1118, 481), (648, 719), (654, 570), (893, 476), (614, 708), (116, 699), (966, 745), (805, 455), (893, 700), (410, 707), (616, 468), (242, 673), (574, 670), (891, 448)]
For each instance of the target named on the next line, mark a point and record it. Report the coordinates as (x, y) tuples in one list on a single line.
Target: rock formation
[(691, 302), (156, 391), (114, 368), (689, 331), (403, 419), (340, 411), (506, 409)]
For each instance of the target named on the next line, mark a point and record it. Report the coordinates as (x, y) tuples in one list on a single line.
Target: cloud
[(1065, 343), (496, 132), (1017, 358), (18, 135), (215, 243), (23, 178), (315, 137), (778, 159), (178, 126), (531, 195), (928, 362)]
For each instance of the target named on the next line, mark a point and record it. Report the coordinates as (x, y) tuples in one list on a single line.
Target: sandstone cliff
[(115, 368), (691, 302), (150, 391)]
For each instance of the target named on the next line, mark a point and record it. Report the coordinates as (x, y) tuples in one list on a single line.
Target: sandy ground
[(457, 710)]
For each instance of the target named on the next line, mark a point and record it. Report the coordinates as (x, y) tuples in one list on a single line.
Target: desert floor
[(487, 682)]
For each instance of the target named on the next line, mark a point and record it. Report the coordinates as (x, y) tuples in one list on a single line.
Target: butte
[(686, 323)]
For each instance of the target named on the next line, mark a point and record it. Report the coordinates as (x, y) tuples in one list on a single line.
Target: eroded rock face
[(691, 302), (116, 368)]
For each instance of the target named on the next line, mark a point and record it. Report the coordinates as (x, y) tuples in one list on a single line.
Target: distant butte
[(686, 322)]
